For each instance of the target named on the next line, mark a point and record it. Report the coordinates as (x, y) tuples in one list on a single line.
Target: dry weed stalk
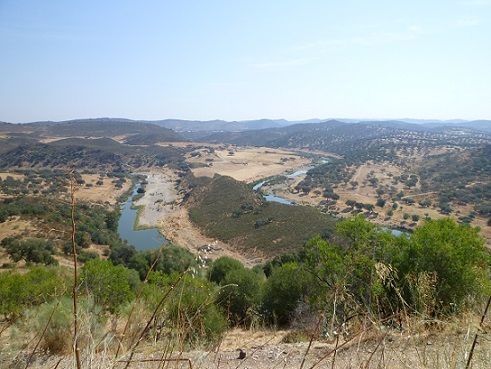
[(314, 333), (75, 272), (151, 319), (134, 302), (471, 353)]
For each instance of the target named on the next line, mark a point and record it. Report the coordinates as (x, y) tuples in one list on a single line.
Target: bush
[(240, 295), (170, 259), (436, 271), (192, 313), (85, 256), (456, 255), (58, 336), (38, 285), (221, 267), (109, 285), (380, 202), (285, 288)]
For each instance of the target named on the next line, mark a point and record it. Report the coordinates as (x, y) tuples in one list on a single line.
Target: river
[(144, 239), (300, 172), (272, 197)]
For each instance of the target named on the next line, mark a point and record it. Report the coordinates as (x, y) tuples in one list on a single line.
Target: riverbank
[(160, 199)]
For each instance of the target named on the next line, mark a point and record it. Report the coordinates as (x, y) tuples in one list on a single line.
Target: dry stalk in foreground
[(149, 322), (120, 343), (477, 333), (75, 273)]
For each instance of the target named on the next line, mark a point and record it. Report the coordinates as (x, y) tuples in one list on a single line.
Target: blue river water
[(144, 239)]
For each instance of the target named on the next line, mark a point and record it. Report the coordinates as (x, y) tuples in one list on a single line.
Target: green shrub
[(221, 267), (85, 256), (240, 295), (455, 254), (380, 202), (58, 338), (19, 291), (109, 285), (285, 288), (192, 313), (170, 259)]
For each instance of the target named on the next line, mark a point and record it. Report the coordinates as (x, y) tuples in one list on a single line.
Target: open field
[(4, 175), (107, 192), (244, 163)]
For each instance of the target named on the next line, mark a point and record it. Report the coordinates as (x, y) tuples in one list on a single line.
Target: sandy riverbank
[(160, 199)]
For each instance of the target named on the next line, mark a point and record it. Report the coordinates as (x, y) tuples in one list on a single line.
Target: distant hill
[(356, 139), (220, 125), (97, 127)]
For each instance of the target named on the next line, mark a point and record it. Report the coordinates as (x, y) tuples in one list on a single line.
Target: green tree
[(112, 220), (31, 250), (38, 285)]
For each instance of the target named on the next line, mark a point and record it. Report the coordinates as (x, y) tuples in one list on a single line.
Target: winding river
[(300, 172), (143, 239)]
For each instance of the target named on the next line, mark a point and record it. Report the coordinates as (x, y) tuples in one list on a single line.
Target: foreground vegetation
[(358, 273)]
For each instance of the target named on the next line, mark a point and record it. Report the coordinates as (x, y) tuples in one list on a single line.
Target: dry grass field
[(4, 175), (105, 193), (245, 163)]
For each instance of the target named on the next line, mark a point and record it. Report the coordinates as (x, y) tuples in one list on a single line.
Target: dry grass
[(374, 348), (103, 193), (244, 163), (17, 176)]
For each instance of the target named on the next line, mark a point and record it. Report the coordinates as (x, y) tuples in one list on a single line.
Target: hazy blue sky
[(245, 59)]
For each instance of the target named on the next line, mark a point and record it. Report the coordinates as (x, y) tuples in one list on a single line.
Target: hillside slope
[(230, 211)]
